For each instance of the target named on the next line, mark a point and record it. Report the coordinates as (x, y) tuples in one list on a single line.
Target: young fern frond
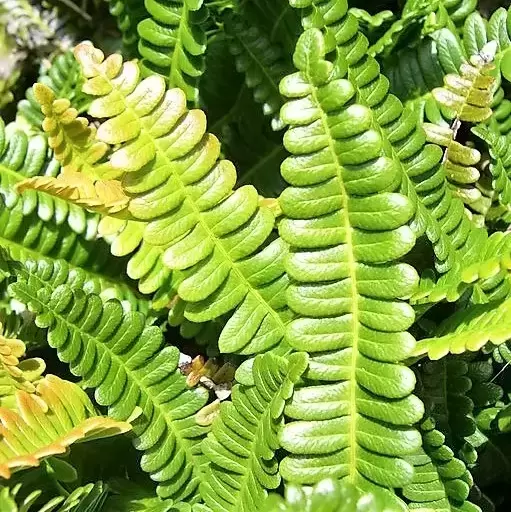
[(341, 247), (116, 353), (65, 80), (468, 97), (241, 446), (469, 330), (262, 63), (15, 374), (441, 481), (73, 142), (183, 195), (173, 42), (48, 422)]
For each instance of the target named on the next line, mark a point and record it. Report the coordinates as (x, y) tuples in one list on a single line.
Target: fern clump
[(256, 254)]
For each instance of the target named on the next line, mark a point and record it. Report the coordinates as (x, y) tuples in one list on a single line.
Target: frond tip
[(47, 423)]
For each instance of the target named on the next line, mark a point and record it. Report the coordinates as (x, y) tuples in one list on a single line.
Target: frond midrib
[(352, 436)]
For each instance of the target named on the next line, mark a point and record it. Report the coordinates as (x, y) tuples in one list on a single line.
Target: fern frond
[(102, 196), (89, 497), (348, 302), (262, 62), (327, 496), (173, 42), (441, 481), (122, 358), (47, 423), (128, 13), (409, 19), (241, 447), (183, 195), (15, 374), (469, 94), (420, 175), (469, 330), (127, 497), (499, 147), (445, 388), (64, 79)]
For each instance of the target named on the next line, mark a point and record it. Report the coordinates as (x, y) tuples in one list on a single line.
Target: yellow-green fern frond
[(84, 167), (103, 196), (182, 194), (15, 374), (468, 98), (469, 95), (47, 423)]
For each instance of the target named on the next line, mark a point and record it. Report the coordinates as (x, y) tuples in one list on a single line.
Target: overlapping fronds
[(25, 157), (262, 62), (349, 326), (441, 481), (47, 423), (65, 80), (88, 498), (469, 330), (327, 496), (182, 196), (73, 142), (116, 353), (15, 374), (485, 269), (241, 446), (173, 42), (420, 174)]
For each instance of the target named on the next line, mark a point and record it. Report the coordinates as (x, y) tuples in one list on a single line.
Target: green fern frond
[(47, 423), (24, 157), (261, 61), (88, 498), (116, 353), (64, 78), (441, 481), (15, 374), (469, 330), (499, 147), (485, 269), (337, 245), (409, 19), (420, 177), (173, 42), (128, 497), (183, 195), (445, 385), (326, 496), (128, 13), (241, 446)]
